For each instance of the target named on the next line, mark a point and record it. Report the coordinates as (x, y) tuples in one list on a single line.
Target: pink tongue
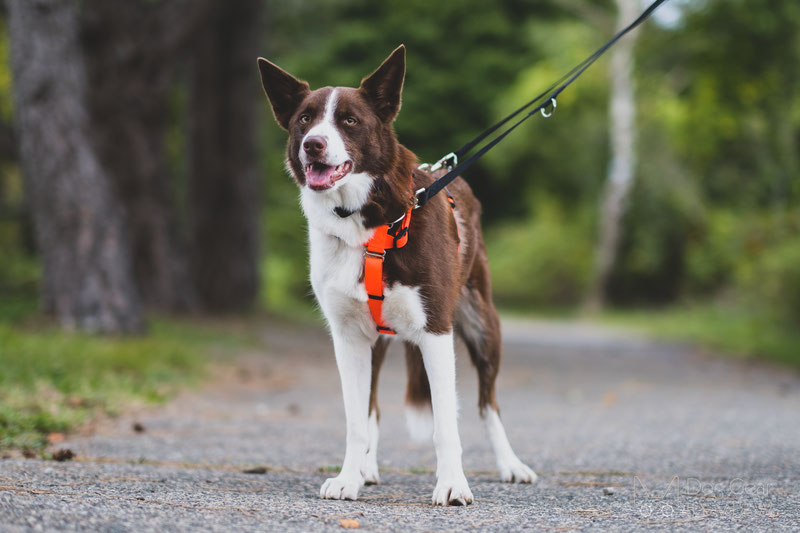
[(319, 174)]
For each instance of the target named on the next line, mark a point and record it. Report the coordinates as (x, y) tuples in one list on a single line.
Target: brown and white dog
[(354, 176)]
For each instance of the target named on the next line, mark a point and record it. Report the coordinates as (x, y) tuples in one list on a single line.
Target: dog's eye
[(304, 118), (351, 121)]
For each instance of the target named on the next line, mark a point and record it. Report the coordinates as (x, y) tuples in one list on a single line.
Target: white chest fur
[(335, 271), (337, 264)]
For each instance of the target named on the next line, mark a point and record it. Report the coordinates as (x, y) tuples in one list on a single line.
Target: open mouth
[(321, 176)]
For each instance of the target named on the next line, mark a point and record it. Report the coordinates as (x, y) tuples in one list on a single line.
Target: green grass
[(15, 308), (732, 330), (52, 381)]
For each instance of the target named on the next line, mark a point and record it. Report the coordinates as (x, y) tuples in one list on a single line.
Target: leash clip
[(552, 110), (450, 160)]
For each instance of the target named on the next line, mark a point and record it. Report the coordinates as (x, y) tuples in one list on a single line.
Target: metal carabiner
[(450, 159), (550, 114)]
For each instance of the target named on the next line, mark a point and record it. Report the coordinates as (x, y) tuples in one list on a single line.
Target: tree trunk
[(7, 153), (622, 120), (132, 50), (8, 148), (87, 280), (223, 168)]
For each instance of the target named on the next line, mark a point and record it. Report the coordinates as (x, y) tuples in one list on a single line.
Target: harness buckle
[(449, 161), (377, 255)]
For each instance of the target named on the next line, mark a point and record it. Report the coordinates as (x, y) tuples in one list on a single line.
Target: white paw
[(370, 471), (452, 490), (342, 487), (516, 471)]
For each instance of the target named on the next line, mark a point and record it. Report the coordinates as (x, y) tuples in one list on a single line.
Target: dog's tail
[(419, 415)]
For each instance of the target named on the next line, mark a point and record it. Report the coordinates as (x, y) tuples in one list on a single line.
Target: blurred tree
[(87, 282), (8, 153), (223, 157), (207, 48), (743, 63), (622, 130), (133, 54), (188, 241), (719, 138), (8, 150)]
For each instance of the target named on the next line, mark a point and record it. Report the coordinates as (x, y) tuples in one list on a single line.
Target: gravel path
[(625, 434)]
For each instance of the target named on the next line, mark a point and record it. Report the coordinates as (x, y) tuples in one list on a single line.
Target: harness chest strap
[(374, 254)]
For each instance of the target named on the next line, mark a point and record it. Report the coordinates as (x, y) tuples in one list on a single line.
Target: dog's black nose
[(314, 145)]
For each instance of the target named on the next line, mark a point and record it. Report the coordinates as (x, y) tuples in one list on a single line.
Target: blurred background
[(142, 187)]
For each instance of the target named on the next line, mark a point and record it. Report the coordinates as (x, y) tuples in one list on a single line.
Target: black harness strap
[(546, 98)]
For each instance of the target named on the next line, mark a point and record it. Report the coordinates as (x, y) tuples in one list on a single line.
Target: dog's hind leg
[(419, 416), (370, 469), (478, 325)]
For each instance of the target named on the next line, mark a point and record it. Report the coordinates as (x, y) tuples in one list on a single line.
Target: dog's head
[(336, 132)]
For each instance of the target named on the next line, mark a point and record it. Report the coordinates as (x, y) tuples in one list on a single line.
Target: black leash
[(547, 98)]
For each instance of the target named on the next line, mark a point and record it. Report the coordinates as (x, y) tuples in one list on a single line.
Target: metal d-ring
[(550, 114), (391, 224)]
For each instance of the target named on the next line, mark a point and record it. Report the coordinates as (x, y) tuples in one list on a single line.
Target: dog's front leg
[(354, 359), (439, 357)]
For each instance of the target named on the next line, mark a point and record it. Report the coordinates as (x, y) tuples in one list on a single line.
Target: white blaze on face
[(330, 164), (335, 154)]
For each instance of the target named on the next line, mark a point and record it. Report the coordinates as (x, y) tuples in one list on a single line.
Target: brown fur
[(454, 284)]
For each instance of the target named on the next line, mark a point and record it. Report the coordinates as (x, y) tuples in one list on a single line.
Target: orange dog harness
[(386, 237), (374, 255)]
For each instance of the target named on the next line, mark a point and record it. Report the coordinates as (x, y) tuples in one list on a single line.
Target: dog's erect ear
[(384, 86), (285, 92)]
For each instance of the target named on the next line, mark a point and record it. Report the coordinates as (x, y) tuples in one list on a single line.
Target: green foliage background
[(713, 219), (714, 209)]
